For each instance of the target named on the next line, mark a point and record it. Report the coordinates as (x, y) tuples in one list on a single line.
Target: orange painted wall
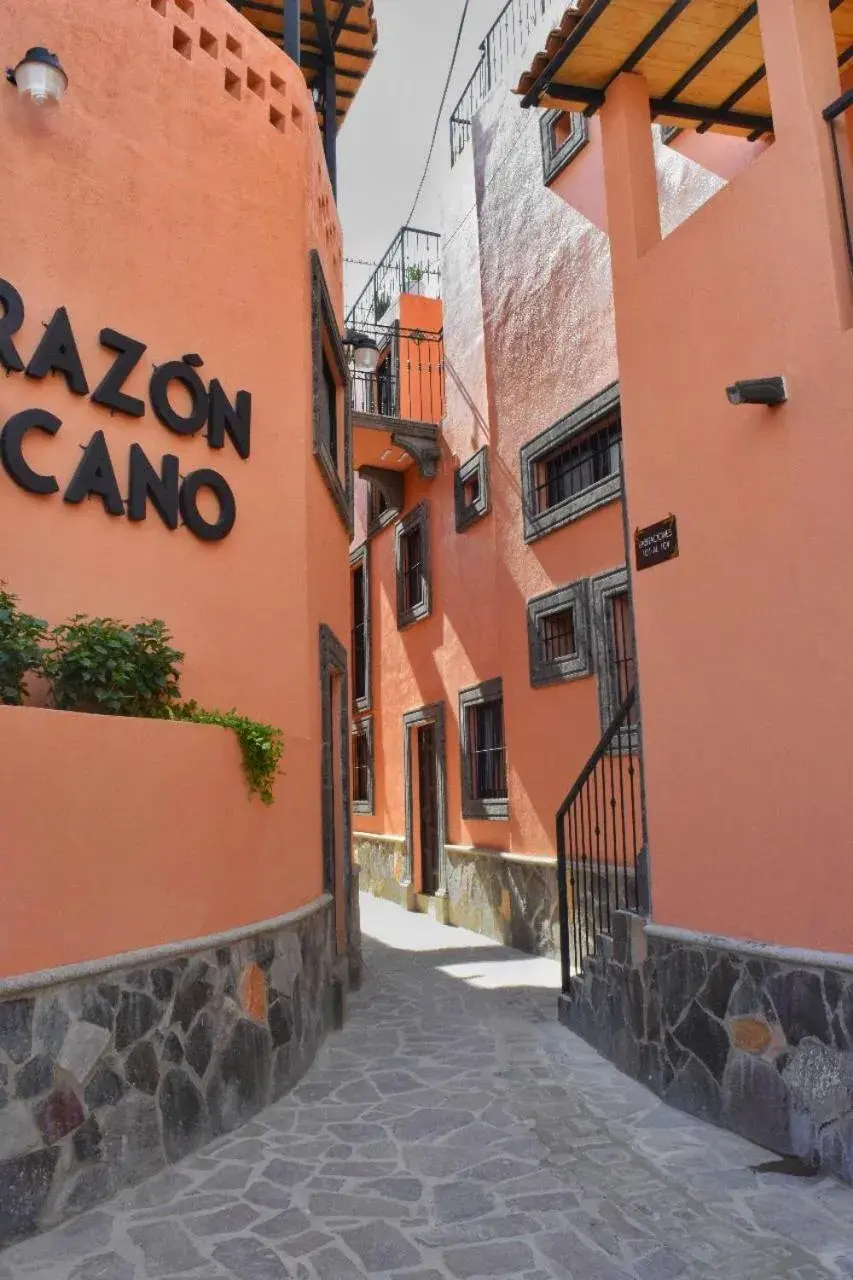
[(744, 640), (154, 202)]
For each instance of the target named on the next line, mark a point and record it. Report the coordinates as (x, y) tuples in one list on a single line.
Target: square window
[(360, 577), (563, 134), (332, 427), (471, 493), (362, 766), (413, 576), (558, 635), (573, 467), (615, 658), (484, 774)]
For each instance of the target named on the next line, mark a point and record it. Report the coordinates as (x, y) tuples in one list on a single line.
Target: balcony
[(395, 327)]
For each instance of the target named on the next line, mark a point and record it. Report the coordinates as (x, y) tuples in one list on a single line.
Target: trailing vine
[(262, 745)]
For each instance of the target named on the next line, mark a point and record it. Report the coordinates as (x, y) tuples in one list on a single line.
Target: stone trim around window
[(333, 659), (476, 467), (433, 714), (545, 671), (492, 810), (586, 416), (557, 155), (360, 558), (601, 588), (365, 726), (324, 325), (419, 515)]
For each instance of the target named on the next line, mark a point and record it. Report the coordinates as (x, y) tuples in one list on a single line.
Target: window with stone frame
[(573, 467), (362, 765), (563, 134), (332, 433), (471, 490), (361, 639), (483, 750), (558, 635), (413, 567)]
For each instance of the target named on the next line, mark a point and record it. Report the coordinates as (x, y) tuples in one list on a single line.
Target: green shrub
[(113, 668), (261, 744), (21, 638)]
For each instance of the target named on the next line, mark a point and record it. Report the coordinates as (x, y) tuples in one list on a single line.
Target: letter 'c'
[(11, 440)]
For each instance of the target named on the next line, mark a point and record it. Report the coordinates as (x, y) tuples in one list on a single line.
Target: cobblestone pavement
[(454, 1130)]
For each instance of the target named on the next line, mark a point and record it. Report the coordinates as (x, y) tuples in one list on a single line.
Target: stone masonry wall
[(381, 864), (513, 901), (105, 1079), (748, 1042)]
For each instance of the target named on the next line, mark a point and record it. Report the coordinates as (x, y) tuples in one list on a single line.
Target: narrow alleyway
[(453, 1129)]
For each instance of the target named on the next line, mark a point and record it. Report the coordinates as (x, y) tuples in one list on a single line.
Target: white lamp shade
[(366, 358), (40, 80)]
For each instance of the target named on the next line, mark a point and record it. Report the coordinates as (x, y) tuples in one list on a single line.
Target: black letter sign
[(109, 390), (177, 371), (145, 483), (95, 474), (11, 440), (58, 351), (13, 306), (206, 479), (234, 420)]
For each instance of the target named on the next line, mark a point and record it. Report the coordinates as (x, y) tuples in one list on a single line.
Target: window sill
[(412, 616), (485, 810), (571, 509)]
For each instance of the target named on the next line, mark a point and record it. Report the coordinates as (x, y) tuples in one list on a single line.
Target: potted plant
[(414, 279)]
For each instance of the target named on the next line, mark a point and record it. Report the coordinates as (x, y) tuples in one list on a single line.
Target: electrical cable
[(438, 115)]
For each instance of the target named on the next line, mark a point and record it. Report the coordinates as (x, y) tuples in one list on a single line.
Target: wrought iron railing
[(412, 264), (506, 37), (842, 145), (600, 840), (409, 379)]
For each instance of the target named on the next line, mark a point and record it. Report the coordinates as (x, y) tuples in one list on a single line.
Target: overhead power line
[(438, 114)]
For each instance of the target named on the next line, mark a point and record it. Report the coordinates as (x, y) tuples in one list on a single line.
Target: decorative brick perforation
[(279, 85), (234, 46), (187, 7), (209, 44), (297, 117), (233, 84), (277, 120), (159, 6), (182, 43), (255, 83)]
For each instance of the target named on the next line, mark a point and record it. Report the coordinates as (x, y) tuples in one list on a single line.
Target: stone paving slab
[(454, 1131)]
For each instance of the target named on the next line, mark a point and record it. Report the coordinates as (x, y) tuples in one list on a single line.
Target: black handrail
[(505, 37), (600, 840)]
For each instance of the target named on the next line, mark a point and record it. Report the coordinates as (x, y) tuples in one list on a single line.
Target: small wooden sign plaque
[(656, 543)]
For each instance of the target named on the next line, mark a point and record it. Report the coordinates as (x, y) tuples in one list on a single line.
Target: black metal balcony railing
[(507, 36), (600, 842), (409, 379), (411, 265), (842, 145)]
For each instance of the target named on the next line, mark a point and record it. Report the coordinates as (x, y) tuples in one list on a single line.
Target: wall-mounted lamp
[(39, 76), (769, 391), (365, 351)]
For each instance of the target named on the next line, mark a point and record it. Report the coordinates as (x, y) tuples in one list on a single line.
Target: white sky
[(383, 144)]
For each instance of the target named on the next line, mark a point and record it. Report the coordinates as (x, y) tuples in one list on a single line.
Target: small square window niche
[(471, 491), (564, 134), (558, 635)]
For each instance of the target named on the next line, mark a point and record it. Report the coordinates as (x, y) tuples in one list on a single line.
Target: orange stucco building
[(605, 623), (176, 445)]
